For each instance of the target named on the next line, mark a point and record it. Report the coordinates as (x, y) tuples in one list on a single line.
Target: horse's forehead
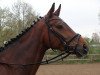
[(59, 19), (55, 17)]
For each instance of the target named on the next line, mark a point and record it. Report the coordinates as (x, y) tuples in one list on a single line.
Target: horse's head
[(61, 36)]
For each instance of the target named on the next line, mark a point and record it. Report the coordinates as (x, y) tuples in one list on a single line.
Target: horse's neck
[(28, 49)]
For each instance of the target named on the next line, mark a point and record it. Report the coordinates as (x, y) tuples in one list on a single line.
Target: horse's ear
[(50, 13), (57, 12)]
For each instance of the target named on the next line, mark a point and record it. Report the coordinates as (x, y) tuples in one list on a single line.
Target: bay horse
[(30, 46)]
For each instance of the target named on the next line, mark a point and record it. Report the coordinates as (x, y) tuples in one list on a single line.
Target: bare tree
[(24, 15), (12, 22), (28, 15), (3, 16), (95, 38)]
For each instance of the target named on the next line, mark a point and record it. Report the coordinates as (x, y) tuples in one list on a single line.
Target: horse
[(23, 54)]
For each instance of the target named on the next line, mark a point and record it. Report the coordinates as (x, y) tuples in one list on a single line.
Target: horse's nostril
[(85, 49)]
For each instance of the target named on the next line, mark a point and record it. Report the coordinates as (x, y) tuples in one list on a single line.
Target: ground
[(74, 69)]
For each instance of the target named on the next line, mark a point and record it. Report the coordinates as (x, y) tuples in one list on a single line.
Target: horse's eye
[(59, 26)]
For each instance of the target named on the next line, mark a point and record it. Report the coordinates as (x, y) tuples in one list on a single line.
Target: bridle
[(66, 44)]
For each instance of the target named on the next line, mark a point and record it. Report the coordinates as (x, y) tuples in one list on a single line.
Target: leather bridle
[(66, 44)]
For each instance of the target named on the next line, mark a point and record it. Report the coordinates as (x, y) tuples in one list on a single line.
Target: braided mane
[(19, 35)]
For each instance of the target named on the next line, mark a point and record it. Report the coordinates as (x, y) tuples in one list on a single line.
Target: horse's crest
[(12, 40)]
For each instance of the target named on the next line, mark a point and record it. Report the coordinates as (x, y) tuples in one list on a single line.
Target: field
[(70, 69)]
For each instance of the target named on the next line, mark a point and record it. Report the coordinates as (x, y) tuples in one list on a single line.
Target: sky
[(80, 15)]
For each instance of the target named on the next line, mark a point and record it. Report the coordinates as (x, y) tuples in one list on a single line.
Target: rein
[(42, 62)]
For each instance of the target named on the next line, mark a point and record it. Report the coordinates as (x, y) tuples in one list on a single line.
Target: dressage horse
[(23, 54)]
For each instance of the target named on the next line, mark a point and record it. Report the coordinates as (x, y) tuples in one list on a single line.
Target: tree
[(28, 15), (12, 22), (95, 38), (24, 15), (5, 15)]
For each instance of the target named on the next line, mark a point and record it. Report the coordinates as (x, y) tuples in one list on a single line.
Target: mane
[(23, 32)]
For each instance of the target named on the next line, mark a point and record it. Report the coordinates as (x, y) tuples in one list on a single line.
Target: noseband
[(66, 44)]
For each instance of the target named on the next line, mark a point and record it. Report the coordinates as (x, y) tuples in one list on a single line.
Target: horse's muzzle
[(81, 51)]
